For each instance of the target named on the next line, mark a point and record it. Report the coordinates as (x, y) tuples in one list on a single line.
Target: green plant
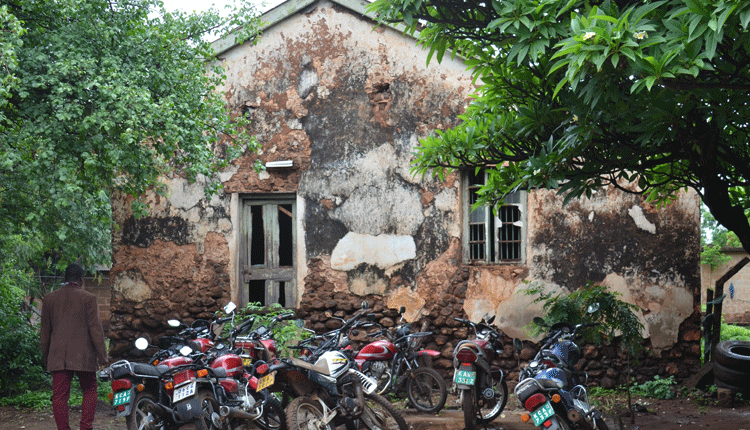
[(658, 388), (285, 332), (615, 316), (734, 332)]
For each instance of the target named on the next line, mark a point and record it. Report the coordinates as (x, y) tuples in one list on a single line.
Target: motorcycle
[(328, 390), (395, 362), (482, 386), (551, 389), (140, 392), (193, 380)]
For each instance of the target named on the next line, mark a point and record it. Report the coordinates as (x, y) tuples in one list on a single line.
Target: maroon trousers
[(61, 380)]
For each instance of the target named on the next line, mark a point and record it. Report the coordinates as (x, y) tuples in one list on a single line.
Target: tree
[(651, 97), (101, 97)]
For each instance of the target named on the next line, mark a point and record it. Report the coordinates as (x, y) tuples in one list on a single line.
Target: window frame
[(491, 221)]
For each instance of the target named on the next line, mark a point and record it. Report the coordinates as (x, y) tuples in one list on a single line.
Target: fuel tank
[(378, 350), (232, 363)]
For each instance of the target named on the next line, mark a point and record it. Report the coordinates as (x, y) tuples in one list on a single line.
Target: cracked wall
[(348, 104)]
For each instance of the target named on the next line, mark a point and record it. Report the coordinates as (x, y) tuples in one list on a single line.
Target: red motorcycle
[(482, 386), (398, 364)]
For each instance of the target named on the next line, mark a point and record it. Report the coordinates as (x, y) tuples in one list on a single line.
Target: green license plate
[(542, 414), (121, 398), (465, 377)]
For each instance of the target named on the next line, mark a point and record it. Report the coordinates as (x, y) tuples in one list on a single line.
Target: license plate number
[(542, 414), (184, 392), (266, 381), (122, 398), (247, 362), (465, 377)]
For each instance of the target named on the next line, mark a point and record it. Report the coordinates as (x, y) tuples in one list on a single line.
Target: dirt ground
[(677, 414)]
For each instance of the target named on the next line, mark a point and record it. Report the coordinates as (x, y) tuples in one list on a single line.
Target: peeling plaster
[(382, 251), (132, 286), (410, 300), (636, 212)]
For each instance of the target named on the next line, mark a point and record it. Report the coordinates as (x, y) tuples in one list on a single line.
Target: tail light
[(202, 373), (121, 384), (184, 377), (466, 355), (533, 402), (261, 369)]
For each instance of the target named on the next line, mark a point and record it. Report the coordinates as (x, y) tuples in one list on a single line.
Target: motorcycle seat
[(550, 383), (139, 369)]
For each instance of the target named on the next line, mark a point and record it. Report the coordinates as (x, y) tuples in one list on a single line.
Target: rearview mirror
[(173, 323), (402, 310), (229, 308), (141, 343), (593, 308), (365, 304), (186, 350), (539, 321), (518, 344)]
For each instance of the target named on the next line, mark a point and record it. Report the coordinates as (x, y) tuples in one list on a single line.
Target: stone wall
[(606, 365)]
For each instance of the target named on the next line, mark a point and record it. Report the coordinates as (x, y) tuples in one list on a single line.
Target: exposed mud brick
[(590, 352), (527, 353), (607, 382)]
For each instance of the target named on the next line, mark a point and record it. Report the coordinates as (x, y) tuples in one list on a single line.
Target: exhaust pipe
[(229, 412)]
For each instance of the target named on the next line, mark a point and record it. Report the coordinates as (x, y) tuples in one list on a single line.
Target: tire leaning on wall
[(732, 365)]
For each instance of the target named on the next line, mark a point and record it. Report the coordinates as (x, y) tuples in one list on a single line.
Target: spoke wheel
[(492, 408), (142, 416), (210, 406), (469, 407), (427, 390), (305, 413), (273, 417), (380, 414)]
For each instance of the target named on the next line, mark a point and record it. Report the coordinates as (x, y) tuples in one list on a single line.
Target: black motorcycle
[(551, 389)]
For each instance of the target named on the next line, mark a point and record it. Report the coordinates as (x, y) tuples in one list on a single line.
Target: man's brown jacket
[(72, 335)]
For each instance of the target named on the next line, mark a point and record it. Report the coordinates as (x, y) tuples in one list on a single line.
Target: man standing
[(72, 342)]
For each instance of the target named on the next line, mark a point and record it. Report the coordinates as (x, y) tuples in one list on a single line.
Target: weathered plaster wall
[(348, 105), (736, 305), (349, 109)]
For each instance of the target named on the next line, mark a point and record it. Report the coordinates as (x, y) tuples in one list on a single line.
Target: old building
[(339, 106)]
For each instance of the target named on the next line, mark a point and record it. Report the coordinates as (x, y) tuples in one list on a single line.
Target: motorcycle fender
[(430, 352), (555, 423), (125, 412), (188, 410)]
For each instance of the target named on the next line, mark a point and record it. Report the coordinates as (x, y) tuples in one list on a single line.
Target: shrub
[(285, 332), (615, 316), (657, 388)]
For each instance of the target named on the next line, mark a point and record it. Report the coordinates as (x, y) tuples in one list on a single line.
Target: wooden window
[(493, 235)]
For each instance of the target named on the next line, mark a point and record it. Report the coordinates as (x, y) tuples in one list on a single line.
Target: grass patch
[(42, 399)]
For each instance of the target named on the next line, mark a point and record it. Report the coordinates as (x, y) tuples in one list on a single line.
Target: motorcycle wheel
[(142, 417), (305, 413), (210, 407), (380, 414), (426, 390), (494, 407), (469, 407), (600, 424), (273, 417)]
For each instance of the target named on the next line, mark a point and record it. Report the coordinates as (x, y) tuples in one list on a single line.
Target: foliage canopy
[(647, 96), (101, 97)]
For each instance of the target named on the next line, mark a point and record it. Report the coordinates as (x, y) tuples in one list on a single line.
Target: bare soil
[(676, 414)]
